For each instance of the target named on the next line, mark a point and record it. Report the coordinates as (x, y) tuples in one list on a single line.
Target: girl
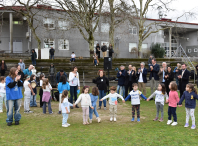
[(33, 97), (46, 96), (2, 94), (159, 100), (27, 94), (95, 57), (190, 96), (94, 98), (3, 67), (85, 100), (173, 100), (62, 85), (65, 106), (168, 78), (41, 90)]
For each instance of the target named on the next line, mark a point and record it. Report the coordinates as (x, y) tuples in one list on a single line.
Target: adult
[(121, 80), (150, 60), (59, 74), (98, 50), (104, 50), (52, 53), (142, 80), (28, 71), (3, 67), (34, 70), (33, 57), (154, 78), (20, 72), (102, 82), (169, 77), (52, 72), (161, 73), (183, 79), (13, 96), (22, 64), (176, 72), (129, 80), (74, 83), (111, 51)]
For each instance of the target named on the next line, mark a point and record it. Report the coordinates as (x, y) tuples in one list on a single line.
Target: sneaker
[(59, 112), (65, 125), (138, 119), (114, 119), (161, 120), (111, 119), (77, 106), (156, 118), (133, 119), (71, 107), (30, 111), (90, 120), (97, 64), (16, 122), (169, 122), (25, 111), (186, 125), (9, 123), (51, 113), (174, 124), (99, 108), (193, 127), (99, 120), (1, 111), (105, 108)]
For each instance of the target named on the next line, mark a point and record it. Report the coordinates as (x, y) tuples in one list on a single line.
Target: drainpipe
[(11, 32)]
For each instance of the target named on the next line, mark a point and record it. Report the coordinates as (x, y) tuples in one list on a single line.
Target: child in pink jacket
[(173, 100)]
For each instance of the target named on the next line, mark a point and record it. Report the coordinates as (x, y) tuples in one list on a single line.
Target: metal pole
[(11, 32), (170, 36)]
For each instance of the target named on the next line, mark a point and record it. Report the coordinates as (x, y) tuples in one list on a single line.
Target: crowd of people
[(131, 86)]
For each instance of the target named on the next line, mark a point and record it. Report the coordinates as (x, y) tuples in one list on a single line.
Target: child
[(113, 102), (41, 90), (27, 94), (95, 57), (190, 96), (135, 101), (73, 56), (33, 97), (159, 100), (2, 94), (94, 98), (173, 100), (85, 103), (46, 96), (65, 106)]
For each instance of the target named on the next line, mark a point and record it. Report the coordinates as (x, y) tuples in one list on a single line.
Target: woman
[(74, 83), (176, 72), (98, 50), (134, 75), (169, 76), (3, 67), (20, 72), (13, 96), (33, 57), (102, 83), (110, 48)]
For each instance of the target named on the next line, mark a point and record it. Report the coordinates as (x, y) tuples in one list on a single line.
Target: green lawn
[(39, 129)]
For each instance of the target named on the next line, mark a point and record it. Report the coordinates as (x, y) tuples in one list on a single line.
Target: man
[(183, 79), (52, 72), (104, 50), (73, 56), (22, 65), (161, 73), (121, 79), (129, 80), (33, 57), (52, 53), (150, 61), (141, 75), (28, 71), (59, 74), (154, 78)]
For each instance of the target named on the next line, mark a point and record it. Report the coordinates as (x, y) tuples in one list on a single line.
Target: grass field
[(39, 129)]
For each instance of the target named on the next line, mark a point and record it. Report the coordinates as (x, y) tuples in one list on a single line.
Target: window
[(132, 29), (161, 33), (195, 50), (189, 50), (106, 43), (132, 47), (48, 43), (105, 27), (18, 22), (63, 44), (49, 23), (63, 25), (93, 25)]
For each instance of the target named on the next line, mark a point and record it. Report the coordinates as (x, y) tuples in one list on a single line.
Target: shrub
[(157, 50)]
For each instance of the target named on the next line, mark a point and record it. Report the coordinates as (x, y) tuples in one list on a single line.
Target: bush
[(157, 50)]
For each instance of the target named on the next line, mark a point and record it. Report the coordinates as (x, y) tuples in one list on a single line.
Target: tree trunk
[(38, 43), (139, 47), (112, 26)]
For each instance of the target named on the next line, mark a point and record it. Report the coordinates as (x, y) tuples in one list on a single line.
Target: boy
[(113, 102), (73, 56), (135, 101)]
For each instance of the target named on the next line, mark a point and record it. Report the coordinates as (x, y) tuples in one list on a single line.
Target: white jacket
[(85, 100), (74, 81)]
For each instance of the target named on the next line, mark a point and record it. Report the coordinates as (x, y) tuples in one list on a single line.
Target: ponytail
[(192, 87)]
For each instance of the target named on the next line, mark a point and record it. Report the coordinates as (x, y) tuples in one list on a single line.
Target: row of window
[(190, 50)]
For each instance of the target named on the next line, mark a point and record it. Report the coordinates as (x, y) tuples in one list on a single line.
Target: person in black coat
[(110, 48), (104, 50), (121, 80), (52, 53), (20, 72), (59, 74), (3, 67), (98, 50), (183, 79), (33, 57), (169, 77)]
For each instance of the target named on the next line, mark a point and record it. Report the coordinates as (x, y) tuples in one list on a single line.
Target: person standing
[(34, 71), (161, 73), (20, 72), (183, 79), (104, 50), (3, 67), (111, 51), (169, 76), (121, 80), (13, 96), (22, 64), (142, 80), (154, 78), (150, 61), (33, 57), (98, 50), (52, 53), (28, 71), (59, 74), (176, 72), (52, 72)]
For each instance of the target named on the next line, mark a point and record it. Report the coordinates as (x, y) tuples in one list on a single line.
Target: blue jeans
[(95, 61), (72, 59), (101, 95), (73, 93), (16, 105), (33, 100), (51, 56), (49, 107), (121, 89), (65, 117), (172, 111), (91, 112), (34, 62)]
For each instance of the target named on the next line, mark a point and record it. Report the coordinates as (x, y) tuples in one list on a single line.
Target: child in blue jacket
[(190, 96)]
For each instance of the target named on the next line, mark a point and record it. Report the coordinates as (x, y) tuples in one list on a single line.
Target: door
[(17, 47)]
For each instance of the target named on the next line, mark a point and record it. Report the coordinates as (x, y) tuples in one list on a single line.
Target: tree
[(83, 13)]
